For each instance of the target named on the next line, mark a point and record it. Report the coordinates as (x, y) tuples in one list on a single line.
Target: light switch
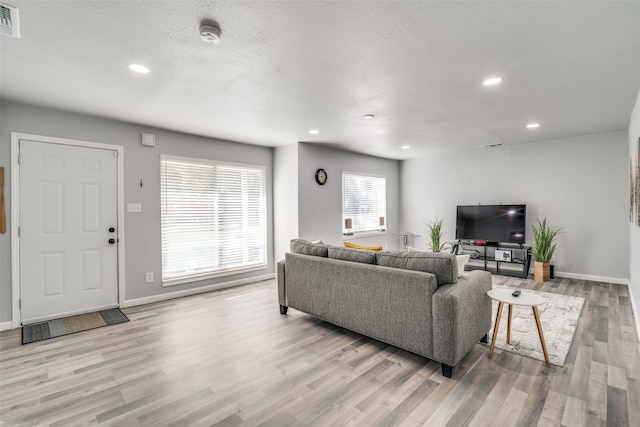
[(134, 207)]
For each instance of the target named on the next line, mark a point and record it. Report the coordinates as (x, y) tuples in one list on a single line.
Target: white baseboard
[(636, 315), (5, 326), (591, 278), (194, 291)]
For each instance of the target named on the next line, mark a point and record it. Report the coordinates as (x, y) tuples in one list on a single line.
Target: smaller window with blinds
[(364, 203), (214, 219)]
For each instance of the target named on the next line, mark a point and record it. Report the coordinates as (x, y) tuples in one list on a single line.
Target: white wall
[(320, 206), (285, 198), (634, 230), (142, 231), (578, 183)]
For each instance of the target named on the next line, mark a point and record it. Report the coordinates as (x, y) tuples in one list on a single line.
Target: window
[(364, 203), (213, 219)]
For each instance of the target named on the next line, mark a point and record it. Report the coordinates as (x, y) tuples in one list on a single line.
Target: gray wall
[(320, 206), (634, 230), (578, 183), (142, 231), (285, 198)]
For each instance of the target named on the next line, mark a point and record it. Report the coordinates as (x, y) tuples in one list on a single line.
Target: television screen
[(493, 223)]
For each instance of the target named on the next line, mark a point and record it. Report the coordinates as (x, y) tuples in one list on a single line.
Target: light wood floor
[(229, 358)]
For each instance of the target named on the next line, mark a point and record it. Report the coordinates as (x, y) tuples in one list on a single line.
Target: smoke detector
[(9, 24), (210, 33)]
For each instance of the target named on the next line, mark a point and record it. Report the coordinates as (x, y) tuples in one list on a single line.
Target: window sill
[(211, 275), (364, 234)]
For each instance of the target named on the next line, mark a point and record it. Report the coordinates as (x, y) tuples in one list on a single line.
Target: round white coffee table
[(504, 296)]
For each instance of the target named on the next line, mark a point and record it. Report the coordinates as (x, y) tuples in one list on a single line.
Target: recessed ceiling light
[(492, 81), (533, 125), (405, 147), (314, 131), (139, 68), (368, 116)]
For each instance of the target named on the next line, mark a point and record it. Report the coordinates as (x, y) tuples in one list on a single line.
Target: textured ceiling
[(283, 68)]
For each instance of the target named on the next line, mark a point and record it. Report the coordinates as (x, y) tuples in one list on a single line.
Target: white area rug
[(559, 317)]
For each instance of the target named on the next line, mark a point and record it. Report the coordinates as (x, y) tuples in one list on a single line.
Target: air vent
[(499, 144), (9, 23)]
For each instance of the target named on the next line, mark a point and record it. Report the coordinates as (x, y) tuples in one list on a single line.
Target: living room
[(579, 181)]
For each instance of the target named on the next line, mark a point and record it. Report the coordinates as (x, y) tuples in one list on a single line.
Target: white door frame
[(15, 211)]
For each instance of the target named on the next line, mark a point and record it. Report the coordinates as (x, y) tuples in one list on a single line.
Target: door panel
[(68, 202)]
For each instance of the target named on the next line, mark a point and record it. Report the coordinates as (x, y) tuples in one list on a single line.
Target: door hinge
[(18, 231), (19, 158), (20, 304)]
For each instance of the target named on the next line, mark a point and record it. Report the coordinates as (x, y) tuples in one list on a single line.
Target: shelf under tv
[(485, 254)]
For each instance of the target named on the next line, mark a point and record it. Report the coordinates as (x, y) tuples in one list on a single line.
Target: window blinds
[(364, 201), (213, 219)]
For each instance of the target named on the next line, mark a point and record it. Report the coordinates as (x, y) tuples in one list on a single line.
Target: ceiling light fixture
[(492, 81), (533, 125), (405, 147), (314, 131), (139, 68), (210, 34), (368, 116)]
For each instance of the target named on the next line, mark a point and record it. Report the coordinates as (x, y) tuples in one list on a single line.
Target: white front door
[(68, 230)]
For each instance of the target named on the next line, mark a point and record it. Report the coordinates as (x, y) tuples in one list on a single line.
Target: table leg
[(495, 329), (509, 324), (544, 346)]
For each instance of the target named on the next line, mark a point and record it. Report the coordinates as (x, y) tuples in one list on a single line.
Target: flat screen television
[(492, 223)]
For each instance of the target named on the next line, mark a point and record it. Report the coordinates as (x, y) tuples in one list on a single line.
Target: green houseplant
[(435, 234), (544, 246)]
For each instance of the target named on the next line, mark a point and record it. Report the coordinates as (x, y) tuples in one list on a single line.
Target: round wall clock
[(321, 176)]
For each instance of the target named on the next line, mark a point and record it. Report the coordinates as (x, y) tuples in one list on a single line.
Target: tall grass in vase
[(435, 234), (544, 246)]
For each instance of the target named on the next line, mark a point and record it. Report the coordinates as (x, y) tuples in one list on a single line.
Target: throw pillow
[(357, 246), (462, 261)]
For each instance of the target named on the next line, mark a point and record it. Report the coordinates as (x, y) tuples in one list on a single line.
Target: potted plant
[(435, 233), (544, 246)]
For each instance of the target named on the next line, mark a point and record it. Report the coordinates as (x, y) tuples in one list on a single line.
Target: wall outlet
[(134, 207), (149, 277)]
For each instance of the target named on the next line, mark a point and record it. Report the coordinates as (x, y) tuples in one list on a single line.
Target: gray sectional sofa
[(412, 300)]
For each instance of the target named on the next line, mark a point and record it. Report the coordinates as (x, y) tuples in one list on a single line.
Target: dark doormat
[(70, 325)]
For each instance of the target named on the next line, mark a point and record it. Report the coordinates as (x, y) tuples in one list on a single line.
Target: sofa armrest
[(461, 316), (282, 294)]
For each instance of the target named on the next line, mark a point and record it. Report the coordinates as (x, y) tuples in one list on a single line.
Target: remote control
[(516, 293)]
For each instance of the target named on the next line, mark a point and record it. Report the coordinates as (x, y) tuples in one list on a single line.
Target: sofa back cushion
[(304, 247), (355, 255), (443, 265)]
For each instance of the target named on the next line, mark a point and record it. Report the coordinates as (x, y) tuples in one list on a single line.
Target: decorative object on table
[(435, 234), (321, 176), (348, 225), (405, 238), (559, 319), (382, 224), (544, 246), (3, 215), (502, 255)]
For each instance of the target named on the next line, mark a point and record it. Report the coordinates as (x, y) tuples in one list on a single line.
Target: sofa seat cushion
[(443, 265), (304, 247), (355, 255)]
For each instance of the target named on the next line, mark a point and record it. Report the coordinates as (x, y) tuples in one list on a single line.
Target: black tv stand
[(516, 253)]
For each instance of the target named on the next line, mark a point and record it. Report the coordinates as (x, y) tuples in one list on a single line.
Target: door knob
[(111, 229), (112, 241)]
